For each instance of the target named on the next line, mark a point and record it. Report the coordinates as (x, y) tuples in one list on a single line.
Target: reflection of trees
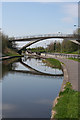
[(14, 65), (7, 65), (24, 59), (5, 69), (0, 71)]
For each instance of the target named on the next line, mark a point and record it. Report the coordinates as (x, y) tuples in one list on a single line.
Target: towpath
[(73, 69)]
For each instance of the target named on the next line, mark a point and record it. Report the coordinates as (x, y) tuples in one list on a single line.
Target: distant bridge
[(37, 38), (44, 36)]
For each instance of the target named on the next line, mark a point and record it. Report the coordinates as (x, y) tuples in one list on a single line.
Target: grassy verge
[(38, 51), (68, 103), (10, 52), (9, 61), (75, 52), (52, 63), (75, 59)]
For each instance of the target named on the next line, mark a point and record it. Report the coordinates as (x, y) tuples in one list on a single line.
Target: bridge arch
[(35, 41)]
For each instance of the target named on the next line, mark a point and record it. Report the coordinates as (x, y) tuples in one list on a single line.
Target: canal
[(25, 94)]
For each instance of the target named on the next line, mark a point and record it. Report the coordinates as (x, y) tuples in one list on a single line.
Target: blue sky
[(32, 18)]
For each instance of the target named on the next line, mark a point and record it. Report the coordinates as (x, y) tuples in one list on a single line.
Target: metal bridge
[(37, 38), (44, 36)]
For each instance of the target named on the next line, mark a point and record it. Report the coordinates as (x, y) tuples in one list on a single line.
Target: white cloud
[(68, 20), (79, 10), (0, 15), (71, 12)]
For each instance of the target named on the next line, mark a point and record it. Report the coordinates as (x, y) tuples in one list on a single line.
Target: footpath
[(73, 70)]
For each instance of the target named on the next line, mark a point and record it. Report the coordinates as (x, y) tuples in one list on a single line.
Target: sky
[(35, 18), (40, 0)]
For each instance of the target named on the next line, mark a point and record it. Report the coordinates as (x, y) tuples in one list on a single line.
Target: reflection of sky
[(44, 101), (0, 99), (8, 107), (27, 95), (40, 66), (20, 66), (37, 65)]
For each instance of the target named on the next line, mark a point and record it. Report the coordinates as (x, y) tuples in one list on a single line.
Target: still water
[(27, 95)]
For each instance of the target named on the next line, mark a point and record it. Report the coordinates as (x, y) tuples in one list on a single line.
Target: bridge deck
[(45, 36)]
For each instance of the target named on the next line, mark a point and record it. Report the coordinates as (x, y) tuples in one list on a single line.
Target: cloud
[(71, 12), (68, 20), (0, 15), (79, 10)]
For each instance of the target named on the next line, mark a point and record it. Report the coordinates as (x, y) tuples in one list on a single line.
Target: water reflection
[(7, 65), (27, 95), (29, 65), (0, 70), (38, 66)]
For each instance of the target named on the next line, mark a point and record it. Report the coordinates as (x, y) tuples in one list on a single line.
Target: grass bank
[(9, 61), (52, 63), (75, 52), (75, 59), (10, 52), (68, 103)]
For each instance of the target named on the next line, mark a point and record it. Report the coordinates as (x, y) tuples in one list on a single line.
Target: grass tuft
[(53, 63), (68, 103)]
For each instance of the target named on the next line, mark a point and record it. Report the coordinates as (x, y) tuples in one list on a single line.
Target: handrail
[(44, 35)]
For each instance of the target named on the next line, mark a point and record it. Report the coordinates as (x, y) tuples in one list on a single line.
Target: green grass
[(10, 52), (42, 51), (54, 63), (75, 59), (13, 54), (68, 103), (76, 52)]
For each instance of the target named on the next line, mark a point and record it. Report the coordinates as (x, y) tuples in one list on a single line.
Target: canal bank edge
[(53, 112), (10, 57)]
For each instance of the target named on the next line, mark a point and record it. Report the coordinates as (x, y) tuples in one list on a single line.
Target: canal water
[(28, 95)]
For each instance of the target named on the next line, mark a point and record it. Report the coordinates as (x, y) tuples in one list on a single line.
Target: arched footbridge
[(35, 39)]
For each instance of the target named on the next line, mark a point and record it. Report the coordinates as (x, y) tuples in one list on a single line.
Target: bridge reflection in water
[(32, 70), (29, 95)]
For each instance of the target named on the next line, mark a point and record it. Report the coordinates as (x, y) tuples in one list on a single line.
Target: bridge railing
[(45, 35)]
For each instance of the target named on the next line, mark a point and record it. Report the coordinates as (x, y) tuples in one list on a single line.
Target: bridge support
[(28, 44), (20, 52)]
